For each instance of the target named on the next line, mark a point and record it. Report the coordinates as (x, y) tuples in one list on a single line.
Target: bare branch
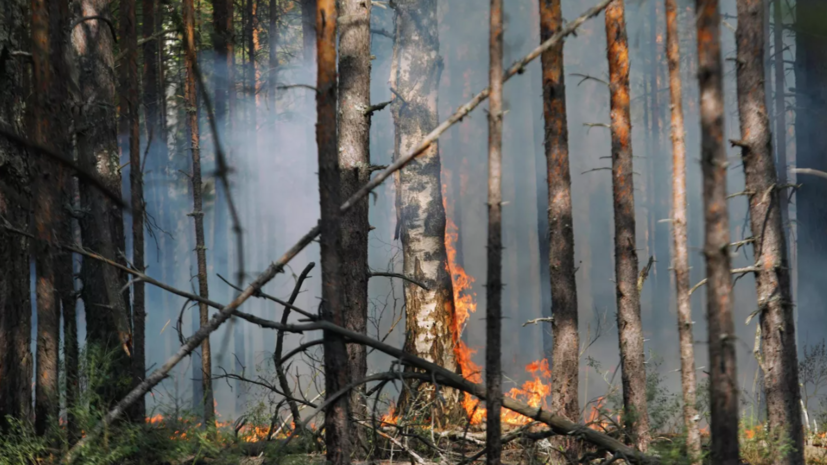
[(373, 274), (820, 174)]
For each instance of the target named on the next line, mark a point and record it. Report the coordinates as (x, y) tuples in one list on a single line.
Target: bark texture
[(721, 331), (354, 162), (780, 361), (629, 327), (336, 421), (811, 147), (108, 326), (494, 284), (420, 209), (15, 203), (566, 340), (680, 262), (190, 91)]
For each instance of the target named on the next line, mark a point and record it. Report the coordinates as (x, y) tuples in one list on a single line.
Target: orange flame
[(391, 417)]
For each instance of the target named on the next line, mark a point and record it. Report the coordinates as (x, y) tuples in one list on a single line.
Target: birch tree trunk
[(354, 164), (420, 212), (633, 371), (721, 331), (680, 262), (780, 361)]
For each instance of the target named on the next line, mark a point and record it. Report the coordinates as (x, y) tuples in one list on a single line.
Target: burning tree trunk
[(15, 203), (811, 147), (780, 362), (430, 313), (336, 422), (494, 285), (354, 161), (130, 142), (681, 261), (724, 381), (566, 339), (197, 214), (626, 262), (107, 328)]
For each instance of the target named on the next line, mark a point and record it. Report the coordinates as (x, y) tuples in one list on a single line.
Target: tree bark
[(681, 258), (780, 111), (15, 203), (197, 214), (565, 336), (309, 31), (626, 261), (336, 421), (494, 284), (354, 163), (811, 146), (780, 361), (721, 331), (108, 326)]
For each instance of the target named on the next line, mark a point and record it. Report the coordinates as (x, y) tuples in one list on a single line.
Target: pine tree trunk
[(721, 331), (629, 327), (769, 247), (15, 203), (566, 340), (811, 147), (681, 260), (429, 313), (108, 326), (354, 163), (190, 91), (336, 421)]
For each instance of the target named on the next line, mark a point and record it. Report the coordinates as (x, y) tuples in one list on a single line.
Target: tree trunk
[(336, 421), (190, 91), (811, 147), (354, 162), (494, 284), (721, 331), (308, 31), (108, 326), (273, 62), (769, 246), (626, 262), (681, 259), (781, 112), (566, 340), (223, 68), (429, 313), (15, 203)]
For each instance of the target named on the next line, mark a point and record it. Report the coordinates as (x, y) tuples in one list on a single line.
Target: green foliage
[(20, 445)]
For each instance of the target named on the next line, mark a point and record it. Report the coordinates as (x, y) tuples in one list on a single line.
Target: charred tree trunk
[(336, 421), (197, 214), (108, 327), (419, 195), (811, 147), (681, 259), (626, 262), (15, 203), (494, 284), (780, 361), (354, 162), (566, 339), (721, 331)]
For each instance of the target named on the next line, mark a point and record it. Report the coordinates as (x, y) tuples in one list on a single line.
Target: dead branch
[(820, 174), (397, 275), (549, 319), (644, 273), (586, 77), (274, 299), (742, 271)]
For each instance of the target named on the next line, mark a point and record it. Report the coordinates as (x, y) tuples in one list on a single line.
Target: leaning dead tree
[(775, 306), (226, 311), (681, 251), (722, 369), (633, 370)]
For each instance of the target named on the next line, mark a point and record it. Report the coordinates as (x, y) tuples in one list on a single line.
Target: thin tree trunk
[(15, 203), (780, 111), (131, 143), (681, 260), (566, 340), (309, 31), (769, 247), (272, 73), (197, 208), (354, 162), (626, 261), (494, 285), (336, 421), (108, 327), (721, 331)]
